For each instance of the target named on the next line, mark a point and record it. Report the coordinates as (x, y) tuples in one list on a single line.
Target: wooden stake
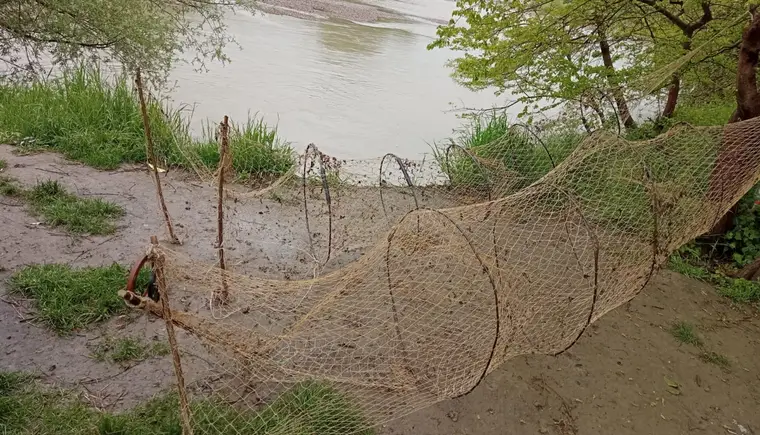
[(152, 158), (158, 270), (224, 167)]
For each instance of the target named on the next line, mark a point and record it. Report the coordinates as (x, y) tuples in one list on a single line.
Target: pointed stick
[(152, 158)]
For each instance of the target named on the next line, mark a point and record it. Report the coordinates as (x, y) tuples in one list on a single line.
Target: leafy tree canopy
[(594, 53), (152, 34)]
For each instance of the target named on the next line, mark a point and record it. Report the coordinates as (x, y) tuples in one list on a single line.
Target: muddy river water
[(354, 78)]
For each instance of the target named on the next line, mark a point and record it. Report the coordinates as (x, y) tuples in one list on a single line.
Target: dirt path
[(612, 381)]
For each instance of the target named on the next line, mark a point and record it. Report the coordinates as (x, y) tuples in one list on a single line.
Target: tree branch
[(667, 14)]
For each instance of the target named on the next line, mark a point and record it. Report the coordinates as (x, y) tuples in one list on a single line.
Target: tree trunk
[(595, 107), (675, 82), (748, 106), (747, 96), (584, 120), (749, 272), (617, 93), (673, 91)]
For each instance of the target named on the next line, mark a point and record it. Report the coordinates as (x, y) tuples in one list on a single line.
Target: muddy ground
[(612, 381)]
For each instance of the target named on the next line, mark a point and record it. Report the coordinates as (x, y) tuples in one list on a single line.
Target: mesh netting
[(495, 262)]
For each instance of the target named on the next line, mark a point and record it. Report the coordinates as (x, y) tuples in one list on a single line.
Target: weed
[(742, 243), (78, 215), (308, 408), (8, 187), (740, 290), (715, 358), (13, 381), (491, 140), (128, 349), (274, 196), (492, 143), (3, 164), (67, 299), (678, 264), (687, 261), (60, 208), (26, 409), (685, 333)]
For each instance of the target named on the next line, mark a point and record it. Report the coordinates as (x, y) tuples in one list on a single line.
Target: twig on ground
[(54, 172)]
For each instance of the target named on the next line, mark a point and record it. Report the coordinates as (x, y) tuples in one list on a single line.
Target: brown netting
[(448, 292)]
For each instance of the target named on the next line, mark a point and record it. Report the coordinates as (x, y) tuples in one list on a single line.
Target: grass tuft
[(67, 299), (685, 333), (257, 151), (58, 207), (78, 215), (307, 408), (740, 290), (687, 261), (8, 187), (26, 409), (128, 350), (3, 164), (715, 358)]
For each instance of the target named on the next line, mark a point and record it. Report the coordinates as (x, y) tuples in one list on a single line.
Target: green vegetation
[(597, 55), (27, 408), (257, 150), (67, 299), (738, 289), (3, 164), (685, 333), (613, 189), (715, 358), (697, 114), (97, 121), (145, 33), (83, 117), (79, 215), (9, 187), (58, 207), (741, 244), (692, 262), (687, 261), (497, 145), (128, 350)]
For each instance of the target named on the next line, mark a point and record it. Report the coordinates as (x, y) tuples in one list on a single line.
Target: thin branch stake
[(152, 158), (225, 164), (158, 268)]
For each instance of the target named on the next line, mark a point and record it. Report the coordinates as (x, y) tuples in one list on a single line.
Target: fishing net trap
[(492, 264)]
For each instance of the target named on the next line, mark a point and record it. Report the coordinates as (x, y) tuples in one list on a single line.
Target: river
[(354, 78)]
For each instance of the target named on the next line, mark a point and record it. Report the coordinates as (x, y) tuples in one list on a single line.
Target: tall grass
[(84, 117), (257, 150), (96, 120), (493, 143)]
